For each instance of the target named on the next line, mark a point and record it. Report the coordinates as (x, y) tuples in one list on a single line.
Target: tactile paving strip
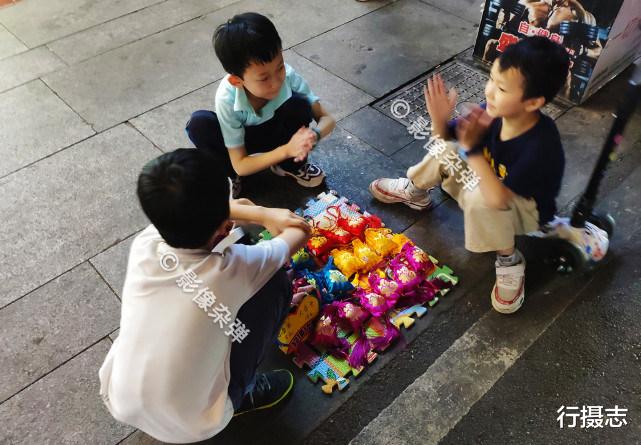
[(408, 104)]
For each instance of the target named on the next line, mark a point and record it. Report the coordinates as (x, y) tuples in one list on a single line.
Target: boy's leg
[(413, 191), (295, 113), (263, 315), (203, 129), (489, 230)]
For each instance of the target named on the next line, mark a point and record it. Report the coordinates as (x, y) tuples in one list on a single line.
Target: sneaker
[(309, 175), (270, 389), (400, 190), (508, 293)]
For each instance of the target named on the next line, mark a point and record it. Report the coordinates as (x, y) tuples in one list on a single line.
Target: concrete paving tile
[(378, 130), (63, 407), (26, 66), (470, 10), (52, 324), (68, 207), (391, 46), (411, 154), (177, 61), (9, 45), (35, 22), (351, 165), (337, 96), (35, 124), (131, 27), (158, 69), (165, 125), (112, 264)]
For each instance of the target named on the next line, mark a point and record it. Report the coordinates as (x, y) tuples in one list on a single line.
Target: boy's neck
[(256, 102), (515, 126)]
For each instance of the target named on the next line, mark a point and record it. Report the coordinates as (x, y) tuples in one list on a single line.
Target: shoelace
[(508, 280)]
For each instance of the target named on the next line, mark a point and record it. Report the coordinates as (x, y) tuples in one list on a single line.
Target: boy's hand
[(471, 129), (301, 143), (277, 220), (440, 103)]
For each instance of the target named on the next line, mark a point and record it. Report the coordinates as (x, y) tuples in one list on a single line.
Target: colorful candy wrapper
[(325, 334), (406, 278), (426, 291), (319, 246), (417, 259), (302, 259), (400, 240), (336, 283), (368, 257), (347, 262), (380, 240), (337, 235), (352, 315)]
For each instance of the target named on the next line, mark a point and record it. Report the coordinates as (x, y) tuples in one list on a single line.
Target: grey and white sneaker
[(508, 293), (400, 190), (309, 175)]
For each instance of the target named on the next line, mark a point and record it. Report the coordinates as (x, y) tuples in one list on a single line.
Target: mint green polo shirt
[(235, 112)]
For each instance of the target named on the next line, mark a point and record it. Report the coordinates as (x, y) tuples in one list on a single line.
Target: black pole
[(586, 204)]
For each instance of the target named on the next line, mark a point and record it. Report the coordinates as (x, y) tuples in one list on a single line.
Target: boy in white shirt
[(196, 319)]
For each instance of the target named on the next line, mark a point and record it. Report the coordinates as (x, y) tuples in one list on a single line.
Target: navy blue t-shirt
[(531, 165)]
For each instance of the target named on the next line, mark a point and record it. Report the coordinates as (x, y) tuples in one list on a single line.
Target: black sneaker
[(309, 175), (271, 388)]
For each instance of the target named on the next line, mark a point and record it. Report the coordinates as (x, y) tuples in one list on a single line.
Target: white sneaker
[(309, 175), (400, 190), (508, 293)]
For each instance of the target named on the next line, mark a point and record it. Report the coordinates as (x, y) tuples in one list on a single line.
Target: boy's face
[(504, 93), (263, 80)]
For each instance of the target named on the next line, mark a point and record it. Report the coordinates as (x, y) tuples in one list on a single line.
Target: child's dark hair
[(246, 38), (185, 195), (543, 63)]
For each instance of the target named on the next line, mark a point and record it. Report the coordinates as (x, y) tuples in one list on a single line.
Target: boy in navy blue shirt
[(505, 170)]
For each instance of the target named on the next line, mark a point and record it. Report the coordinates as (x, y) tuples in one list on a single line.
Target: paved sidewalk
[(92, 89)]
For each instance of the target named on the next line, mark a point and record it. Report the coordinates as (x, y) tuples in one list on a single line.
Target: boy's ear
[(235, 81), (534, 103)]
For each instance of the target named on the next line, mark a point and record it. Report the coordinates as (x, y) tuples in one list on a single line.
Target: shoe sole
[(277, 401), (379, 195), (507, 308), (315, 182)]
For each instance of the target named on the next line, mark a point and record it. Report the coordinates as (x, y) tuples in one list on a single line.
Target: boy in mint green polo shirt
[(263, 107)]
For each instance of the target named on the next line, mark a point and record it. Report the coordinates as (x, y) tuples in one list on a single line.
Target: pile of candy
[(350, 280)]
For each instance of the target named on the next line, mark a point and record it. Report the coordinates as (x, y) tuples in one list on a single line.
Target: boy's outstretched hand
[(471, 128), (440, 103), (277, 220), (301, 143)]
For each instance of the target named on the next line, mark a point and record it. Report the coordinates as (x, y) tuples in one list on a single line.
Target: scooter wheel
[(603, 221), (568, 259)]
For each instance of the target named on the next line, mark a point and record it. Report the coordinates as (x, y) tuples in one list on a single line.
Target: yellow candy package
[(366, 255), (380, 240)]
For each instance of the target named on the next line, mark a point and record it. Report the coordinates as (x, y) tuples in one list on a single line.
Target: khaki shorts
[(486, 229)]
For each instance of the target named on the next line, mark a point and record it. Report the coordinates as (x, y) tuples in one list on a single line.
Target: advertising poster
[(581, 26)]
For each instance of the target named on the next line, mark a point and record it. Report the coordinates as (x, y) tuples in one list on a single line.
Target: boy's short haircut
[(543, 63), (185, 195), (246, 38)]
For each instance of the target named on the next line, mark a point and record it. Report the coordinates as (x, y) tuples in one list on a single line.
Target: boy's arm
[(274, 220), (440, 104), (325, 123), (298, 147), (470, 131)]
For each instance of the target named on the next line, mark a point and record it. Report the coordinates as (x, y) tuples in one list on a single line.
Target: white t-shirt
[(167, 373)]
